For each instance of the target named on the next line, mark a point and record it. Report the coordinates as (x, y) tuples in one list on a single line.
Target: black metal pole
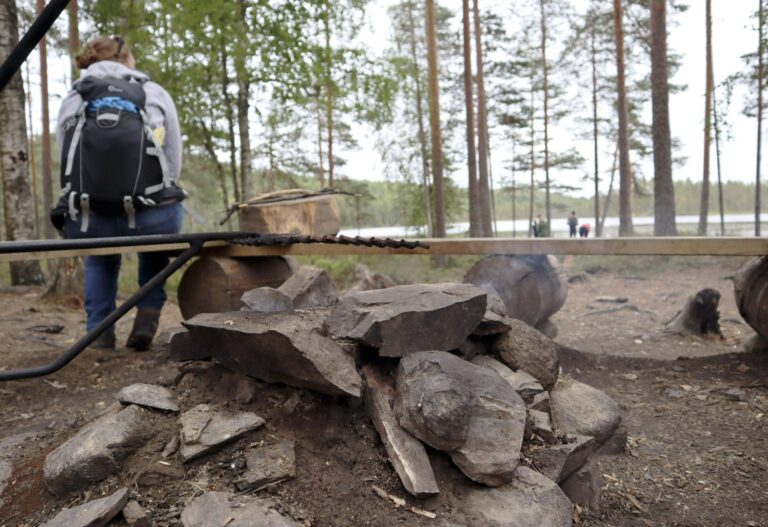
[(117, 314), (34, 34)]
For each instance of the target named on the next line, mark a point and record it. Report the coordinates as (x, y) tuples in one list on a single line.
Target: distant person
[(540, 227), (584, 230), (121, 157), (573, 221)]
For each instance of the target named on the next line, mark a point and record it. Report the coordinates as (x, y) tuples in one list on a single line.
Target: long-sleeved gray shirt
[(159, 106)]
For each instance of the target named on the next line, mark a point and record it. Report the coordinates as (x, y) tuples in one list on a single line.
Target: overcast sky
[(733, 37)]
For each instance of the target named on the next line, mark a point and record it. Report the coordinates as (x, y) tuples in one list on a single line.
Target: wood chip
[(400, 502)]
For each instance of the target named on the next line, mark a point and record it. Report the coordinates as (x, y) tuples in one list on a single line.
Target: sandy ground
[(695, 457)]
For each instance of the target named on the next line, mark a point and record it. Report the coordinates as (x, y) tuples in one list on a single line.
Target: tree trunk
[(45, 132), (760, 67), (750, 287), (321, 155), (434, 120), (600, 226), (74, 37), (717, 156), (475, 224), (243, 106), (595, 128), (483, 187), (420, 117), (704, 206), (625, 170), (663, 188), (532, 194), (14, 168), (230, 117), (328, 96), (32, 162), (545, 89), (211, 149)]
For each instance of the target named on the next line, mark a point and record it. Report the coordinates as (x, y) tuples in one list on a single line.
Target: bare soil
[(695, 457)]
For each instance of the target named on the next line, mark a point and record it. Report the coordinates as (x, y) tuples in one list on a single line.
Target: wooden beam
[(685, 246)]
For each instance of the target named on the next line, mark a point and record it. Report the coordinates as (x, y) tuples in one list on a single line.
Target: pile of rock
[(441, 365)]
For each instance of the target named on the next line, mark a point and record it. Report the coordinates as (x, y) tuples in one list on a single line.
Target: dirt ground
[(696, 453)]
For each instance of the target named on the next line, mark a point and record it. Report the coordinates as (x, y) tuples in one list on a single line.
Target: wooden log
[(316, 215), (533, 288), (751, 290), (699, 316), (214, 284)]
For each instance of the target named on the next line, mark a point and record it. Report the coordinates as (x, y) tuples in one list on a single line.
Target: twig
[(400, 502)]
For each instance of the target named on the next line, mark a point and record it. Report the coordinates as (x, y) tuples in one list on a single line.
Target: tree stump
[(750, 286), (533, 288), (214, 284), (699, 316)]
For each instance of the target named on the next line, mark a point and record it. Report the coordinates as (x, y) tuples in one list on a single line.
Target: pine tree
[(625, 169)]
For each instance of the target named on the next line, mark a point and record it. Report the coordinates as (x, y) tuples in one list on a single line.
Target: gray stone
[(157, 475), (148, 395), (585, 487), (365, 280), (530, 500), (96, 513), (204, 429), (268, 464), (280, 347), (580, 409), (8, 445), (547, 328), (406, 453), (310, 286), (471, 348), (540, 424), (266, 300), (409, 318), (96, 451), (524, 348), (525, 385), (540, 402), (223, 509), (755, 344), (467, 410), (616, 444), (136, 516), (557, 462)]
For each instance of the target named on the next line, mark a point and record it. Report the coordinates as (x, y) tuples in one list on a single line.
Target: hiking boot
[(105, 341), (144, 329)]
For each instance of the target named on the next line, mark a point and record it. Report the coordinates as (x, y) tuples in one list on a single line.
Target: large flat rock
[(467, 410), (557, 462), (279, 347), (310, 286), (409, 318), (204, 429), (529, 500), (96, 451), (150, 396), (525, 385), (524, 348), (578, 408), (96, 513), (266, 300), (406, 453), (222, 509)]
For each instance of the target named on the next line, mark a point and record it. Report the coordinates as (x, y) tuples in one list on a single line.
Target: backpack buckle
[(130, 211)]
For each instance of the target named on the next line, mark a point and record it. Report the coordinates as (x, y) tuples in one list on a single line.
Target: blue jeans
[(101, 272)]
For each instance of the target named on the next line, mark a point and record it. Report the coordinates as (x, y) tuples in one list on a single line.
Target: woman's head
[(105, 48)]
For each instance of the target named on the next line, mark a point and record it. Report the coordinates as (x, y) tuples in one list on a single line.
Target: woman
[(104, 60)]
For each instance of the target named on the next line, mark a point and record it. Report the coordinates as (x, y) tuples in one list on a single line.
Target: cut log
[(533, 288), (751, 290), (316, 215), (215, 284), (699, 316)]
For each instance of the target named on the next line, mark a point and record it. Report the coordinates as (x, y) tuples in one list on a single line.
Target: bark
[(243, 108), (420, 117), (230, 117), (625, 170), (220, 172), (663, 189), (328, 96), (45, 131), (760, 67), (321, 156), (17, 199), (599, 228), (595, 128), (32, 162), (704, 205), (434, 119), (545, 88), (74, 37), (483, 186), (475, 224)]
